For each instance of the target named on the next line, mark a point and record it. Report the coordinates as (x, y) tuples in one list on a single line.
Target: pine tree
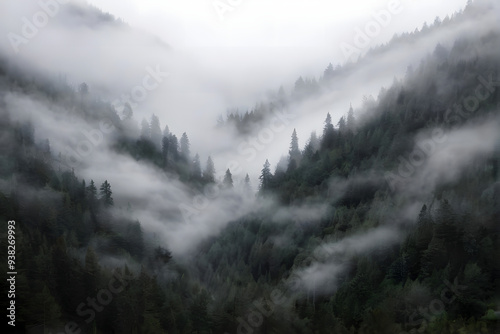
[(300, 87), (311, 147), (185, 152), (328, 133), (156, 134), (209, 172), (228, 179), (91, 194), (342, 125), (166, 131), (248, 186), (265, 177), (351, 121), (196, 168), (328, 73), (91, 190), (294, 152), (173, 148), (105, 192)]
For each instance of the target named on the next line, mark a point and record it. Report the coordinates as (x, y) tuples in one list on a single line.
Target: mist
[(394, 191), (199, 80), (208, 67)]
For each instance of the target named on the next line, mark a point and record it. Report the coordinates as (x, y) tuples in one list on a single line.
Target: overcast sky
[(226, 57), (321, 24), (314, 28), (238, 53), (216, 62)]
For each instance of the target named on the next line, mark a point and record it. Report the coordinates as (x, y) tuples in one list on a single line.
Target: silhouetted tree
[(196, 168), (265, 177), (156, 134), (105, 192), (209, 172), (294, 152), (328, 138), (228, 179), (184, 149), (351, 121), (248, 186)]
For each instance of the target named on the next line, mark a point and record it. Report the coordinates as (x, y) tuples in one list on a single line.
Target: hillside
[(386, 221)]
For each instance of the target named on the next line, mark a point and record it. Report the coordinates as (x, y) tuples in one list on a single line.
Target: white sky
[(263, 44), (219, 64), (273, 42), (320, 24)]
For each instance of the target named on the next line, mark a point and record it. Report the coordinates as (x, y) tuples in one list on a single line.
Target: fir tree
[(351, 121), (209, 172), (196, 168), (265, 177), (294, 152), (156, 134), (184, 149), (248, 186), (228, 179), (328, 133), (105, 192)]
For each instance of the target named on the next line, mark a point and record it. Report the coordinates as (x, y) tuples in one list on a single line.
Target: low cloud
[(331, 259)]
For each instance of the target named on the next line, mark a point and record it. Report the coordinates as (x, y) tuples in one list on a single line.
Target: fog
[(215, 65), (193, 67), (446, 162), (332, 259)]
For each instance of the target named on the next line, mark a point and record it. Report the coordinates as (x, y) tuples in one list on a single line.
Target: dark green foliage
[(106, 194), (266, 177), (68, 240)]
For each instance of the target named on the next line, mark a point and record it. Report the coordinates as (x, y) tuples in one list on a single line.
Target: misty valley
[(154, 187)]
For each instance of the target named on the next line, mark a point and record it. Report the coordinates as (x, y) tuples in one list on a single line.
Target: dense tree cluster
[(443, 278), (66, 230)]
